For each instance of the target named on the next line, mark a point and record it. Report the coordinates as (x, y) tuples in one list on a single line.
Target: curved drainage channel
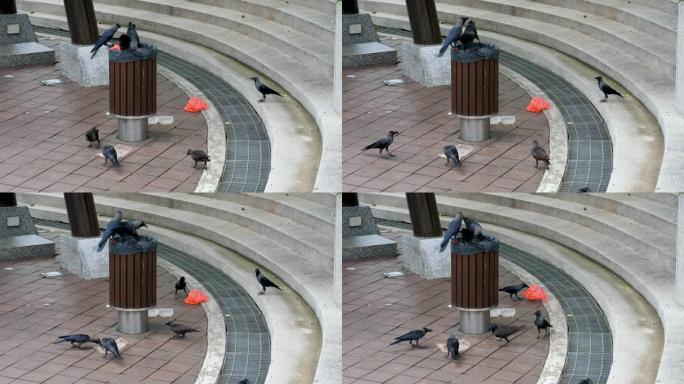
[(590, 149), (248, 341), (248, 149), (590, 341)]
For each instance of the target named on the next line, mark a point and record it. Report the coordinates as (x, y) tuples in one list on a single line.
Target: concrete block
[(76, 64), (24, 246), (22, 54), (421, 256), (359, 247), (363, 54), (16, 29), (358, 221), (679, 86), (16, 221), (421, 64), (357, 29), (80, 257)]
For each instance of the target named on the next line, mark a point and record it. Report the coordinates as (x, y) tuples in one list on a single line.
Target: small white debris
[(160, 120), (160, 312), (393, 82), (120, 345), (502, 312), (51, 82), (350, 269), (502, 120), (463, 151), (463, 345), (350, 76), (8, 269), (52, 275), (8, 76), (393, 275)]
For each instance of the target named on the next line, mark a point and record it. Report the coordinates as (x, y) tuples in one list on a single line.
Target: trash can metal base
[(133, 321), (474, 322), (475, 128), (133, 128)]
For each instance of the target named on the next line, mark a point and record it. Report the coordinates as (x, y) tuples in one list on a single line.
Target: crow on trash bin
[(453, 35), (133, 34), (109, 231), (106, 37), (454, 228)]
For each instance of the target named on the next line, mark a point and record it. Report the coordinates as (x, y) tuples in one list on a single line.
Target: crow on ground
[(606, 89), (199, 156), (451, 153), (265, 282), (452, 230), (109, 345), (587, 381), (383, 144), (75, 340), (541, 323), (412, 336), (181, 286), (92, 136), (263, 89), (452, 347), (514, 289), (106, 37), (110, 155), (179, 329), (453, 35), (503, 332)]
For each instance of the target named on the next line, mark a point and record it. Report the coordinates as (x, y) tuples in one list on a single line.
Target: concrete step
[(634, 233), (319, 24), (365, 54), (667, 6), (360, 247), (647, 18), (653, 278), (521, 18), (25, 246), (306, 240), (667, 199), (20, 54), (311, 210), (586, 240), (651, 86)]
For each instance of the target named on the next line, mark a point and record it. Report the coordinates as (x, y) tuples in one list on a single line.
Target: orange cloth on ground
[(196, 297), (195, 105), (535, 292), (538, 105)]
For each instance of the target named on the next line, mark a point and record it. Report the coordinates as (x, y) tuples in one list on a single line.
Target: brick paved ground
[(370, 109), (377, 309), (35, 310), (42, 145)]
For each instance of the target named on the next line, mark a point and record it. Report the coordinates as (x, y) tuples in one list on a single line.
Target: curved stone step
[(652, 277), (649, 85)]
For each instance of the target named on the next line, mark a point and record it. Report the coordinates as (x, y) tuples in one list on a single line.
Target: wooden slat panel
[(138, 96), (479, 84), (486, 86), (137, 263), (479, 288)]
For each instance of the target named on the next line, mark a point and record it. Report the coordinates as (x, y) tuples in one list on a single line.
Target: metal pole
[(424, 22), (82, 21), (82, 214), (8, 200), (424, 214), (350, 199), (8, 7), (350, 7)]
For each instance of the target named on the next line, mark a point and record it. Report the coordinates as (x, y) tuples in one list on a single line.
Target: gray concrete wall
[(679, 279), (680, 60)]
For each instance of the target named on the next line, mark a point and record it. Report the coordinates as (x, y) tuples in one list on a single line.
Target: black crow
[(606, 89), (472, 231), (454, 228), (539, 154), (199, 156), (109, 231), (384, 143), (109, 345), (451, 153), (128, 228), (587, 381), (75, 340), (110, 155), (263, 89), (584, 190), (541, 323), (106, 37), (412, 336), (514, 289), (264, 281), (453, 35), (92, 136), (503, 332), (452, 347), (469, 35), (244, 381), (133, 34), (124, 42), (181, 285), (179, 329)]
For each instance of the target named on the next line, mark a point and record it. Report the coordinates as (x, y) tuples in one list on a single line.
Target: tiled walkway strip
[(248, 346), (590, 341), (248, 152)]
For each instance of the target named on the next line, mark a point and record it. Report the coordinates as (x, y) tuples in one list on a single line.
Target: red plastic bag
[(535, 292), (115, 47), (195, 105), (196, 297), (538, 105)]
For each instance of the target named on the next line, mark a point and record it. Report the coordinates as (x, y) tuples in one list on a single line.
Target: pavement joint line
[(216, 145), (558, 133)]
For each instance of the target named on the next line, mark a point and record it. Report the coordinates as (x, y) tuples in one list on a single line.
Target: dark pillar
[(424, 214), (8, 7), (8, 200), (350, 7), (424, 22), (350, 199), (82, 214), (82, 22)]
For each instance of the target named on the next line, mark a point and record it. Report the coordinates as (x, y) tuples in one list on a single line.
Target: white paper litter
[(393, 82), (463, 151), (51, 82), (502, 312), (463, 345), (51, 275), (160, 312), (502, 120), (8, 269), (120, 345), (393, 275), (8, 76), (121, 152), (160, 120)]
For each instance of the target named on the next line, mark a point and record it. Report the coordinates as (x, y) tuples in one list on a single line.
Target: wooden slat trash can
[(475, 282), (475, 89), (133, 282), (133, 90)]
